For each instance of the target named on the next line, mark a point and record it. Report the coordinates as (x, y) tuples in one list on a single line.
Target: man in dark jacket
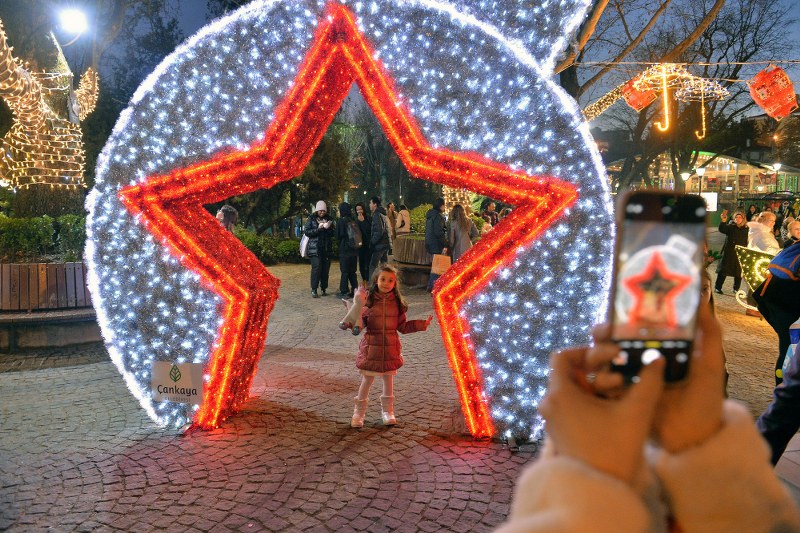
[(320, 230), (348, 255), (379, 235), (735, 233), (435, 234)]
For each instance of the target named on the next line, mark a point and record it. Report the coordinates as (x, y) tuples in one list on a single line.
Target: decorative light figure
[(662, 77), (469, 90), (696, 89), (41, 148)]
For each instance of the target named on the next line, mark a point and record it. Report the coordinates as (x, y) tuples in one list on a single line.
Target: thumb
[(651, 383)]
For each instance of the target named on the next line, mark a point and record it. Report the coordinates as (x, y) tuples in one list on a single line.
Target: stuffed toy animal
[(352, 320)]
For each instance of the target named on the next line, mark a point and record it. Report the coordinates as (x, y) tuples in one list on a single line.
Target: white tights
[(366, 384)]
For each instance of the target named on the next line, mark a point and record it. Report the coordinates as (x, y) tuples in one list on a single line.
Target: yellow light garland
[(41, 148)]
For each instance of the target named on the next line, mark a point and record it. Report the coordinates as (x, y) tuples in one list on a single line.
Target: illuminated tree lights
[(242, 105), (41, 148)]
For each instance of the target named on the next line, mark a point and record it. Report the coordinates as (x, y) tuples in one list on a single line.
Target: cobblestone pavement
[(77, 452)]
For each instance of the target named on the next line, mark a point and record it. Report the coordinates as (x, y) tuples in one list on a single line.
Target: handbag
[(440, 264), (303, 245)]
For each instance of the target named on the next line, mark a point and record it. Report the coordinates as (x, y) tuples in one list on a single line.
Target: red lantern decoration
[(637, 99), (773, 91)]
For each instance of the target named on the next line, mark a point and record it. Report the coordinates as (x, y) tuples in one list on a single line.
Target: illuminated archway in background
[(199, 268)]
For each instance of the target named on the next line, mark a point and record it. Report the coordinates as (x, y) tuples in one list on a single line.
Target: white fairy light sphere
[(473, 83)]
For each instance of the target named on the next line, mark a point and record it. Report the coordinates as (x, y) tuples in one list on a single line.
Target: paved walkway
[(77, 452)]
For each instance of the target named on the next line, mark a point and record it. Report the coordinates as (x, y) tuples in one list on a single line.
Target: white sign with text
[(182, 383)]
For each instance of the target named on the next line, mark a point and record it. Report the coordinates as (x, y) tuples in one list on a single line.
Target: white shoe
[(387, 410), (359, 412)]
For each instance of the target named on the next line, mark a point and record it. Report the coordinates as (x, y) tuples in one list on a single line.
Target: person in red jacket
[(380, 352)]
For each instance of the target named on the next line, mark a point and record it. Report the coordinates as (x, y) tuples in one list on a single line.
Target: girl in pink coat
[(380, 351)]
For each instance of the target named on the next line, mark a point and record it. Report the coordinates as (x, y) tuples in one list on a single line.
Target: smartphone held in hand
[(657, 279)]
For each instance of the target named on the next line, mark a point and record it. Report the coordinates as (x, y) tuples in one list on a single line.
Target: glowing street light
[(74, 22)]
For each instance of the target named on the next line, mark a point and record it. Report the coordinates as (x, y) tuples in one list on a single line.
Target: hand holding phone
[(656, 292)]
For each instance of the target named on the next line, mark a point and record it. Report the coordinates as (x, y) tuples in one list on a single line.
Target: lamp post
[(700, 173), (685, 175)]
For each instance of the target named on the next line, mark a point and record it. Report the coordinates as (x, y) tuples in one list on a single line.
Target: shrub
[(249, 239), (417, 216), (289, 251), (25, 239), (479, 221), (70, 236)]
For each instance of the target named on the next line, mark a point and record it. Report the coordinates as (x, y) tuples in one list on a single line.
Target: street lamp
[(700, 173), (74, 22)]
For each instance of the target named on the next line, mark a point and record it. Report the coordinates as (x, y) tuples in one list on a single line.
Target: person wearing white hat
[(320, 231)]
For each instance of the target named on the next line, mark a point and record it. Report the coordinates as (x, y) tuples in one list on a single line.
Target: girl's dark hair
[(403, 206), (402, 305)]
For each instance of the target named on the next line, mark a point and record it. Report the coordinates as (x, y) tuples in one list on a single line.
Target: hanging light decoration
[(662, 77), (637, 98), (696, 89), (773, 91)]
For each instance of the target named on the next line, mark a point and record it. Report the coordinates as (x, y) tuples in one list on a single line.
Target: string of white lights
[(474, 82)]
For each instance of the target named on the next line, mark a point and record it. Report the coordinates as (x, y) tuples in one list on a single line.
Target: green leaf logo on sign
[(174, 373)]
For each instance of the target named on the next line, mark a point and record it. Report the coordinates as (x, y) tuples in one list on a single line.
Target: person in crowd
[(228, 216), (760, 236), (391, 214), (321, 231), (735, 234), (678, 458), (786, 232), (490, 215), (792, 233), (486, 228), (504, 213), (348, 255), (435, 234), (752, 212), (778, 300), (461, 233), (380, 235), (364, 221), (403, 223), (380, 352)]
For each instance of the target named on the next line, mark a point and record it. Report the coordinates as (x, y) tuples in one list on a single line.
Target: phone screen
[(658, 280)]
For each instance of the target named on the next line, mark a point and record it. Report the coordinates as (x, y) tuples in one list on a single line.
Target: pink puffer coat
[(380, 349)]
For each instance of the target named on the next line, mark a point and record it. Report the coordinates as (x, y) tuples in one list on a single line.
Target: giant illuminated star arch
[(467, 99), (172, 207)]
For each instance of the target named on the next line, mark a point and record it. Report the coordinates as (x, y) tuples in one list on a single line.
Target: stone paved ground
[(78, 454)]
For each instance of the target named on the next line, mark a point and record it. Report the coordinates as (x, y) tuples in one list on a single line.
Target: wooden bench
[(45, 304), (35, 286)]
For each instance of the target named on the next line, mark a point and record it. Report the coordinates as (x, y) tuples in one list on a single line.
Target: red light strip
[(171, 207)]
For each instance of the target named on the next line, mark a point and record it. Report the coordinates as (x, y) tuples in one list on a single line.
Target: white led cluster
[(470, 84)]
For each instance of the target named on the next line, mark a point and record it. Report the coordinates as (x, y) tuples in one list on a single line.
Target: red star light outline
[(171, 208), (634, 283)]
